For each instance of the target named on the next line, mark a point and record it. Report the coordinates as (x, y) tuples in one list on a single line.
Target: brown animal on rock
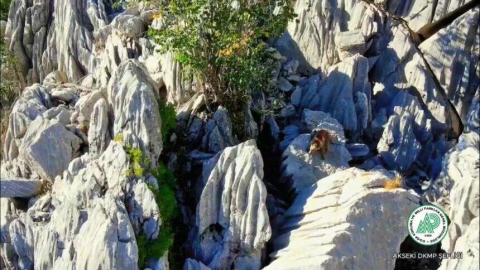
[(320, 143)]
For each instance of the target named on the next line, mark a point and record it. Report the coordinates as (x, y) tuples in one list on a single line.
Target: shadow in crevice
[(424, 257)]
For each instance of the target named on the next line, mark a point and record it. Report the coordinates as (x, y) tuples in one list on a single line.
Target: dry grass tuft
[(394, 183)]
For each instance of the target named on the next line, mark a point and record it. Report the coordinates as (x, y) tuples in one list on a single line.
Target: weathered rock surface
[(191, 264), (84, 223), (329, 227), (302, 169), (317, 35), (232, 219), (20, 188), (98, 133), (218, 132), (132, 96), (48, 147), (455, 64), (345, 93)]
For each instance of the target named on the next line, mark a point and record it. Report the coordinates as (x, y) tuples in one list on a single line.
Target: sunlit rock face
[(250, 194), (328, 220)]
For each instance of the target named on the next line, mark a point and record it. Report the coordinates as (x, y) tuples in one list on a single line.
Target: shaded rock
[(407, 130), (357, 150), (218, 132), (327, 221), (290, 132), (20, 188), (398, 145), (232, 219), (48, 147), (191, 264), (345, 93), (311, 38), (288, 111), (285, 85), (453, 58)]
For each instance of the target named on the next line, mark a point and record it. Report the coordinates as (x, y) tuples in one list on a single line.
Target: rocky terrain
[(75, 196)]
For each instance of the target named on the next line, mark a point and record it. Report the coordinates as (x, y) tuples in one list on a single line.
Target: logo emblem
[(427, 225)]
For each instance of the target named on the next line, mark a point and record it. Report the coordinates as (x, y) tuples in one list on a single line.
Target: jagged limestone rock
[(32, 103), (331, 224), (338, 93), (48, 147), (302, 169), (312, 38), (232, 219), (132, 96), (19, 188), (98, 133), (453, 57)]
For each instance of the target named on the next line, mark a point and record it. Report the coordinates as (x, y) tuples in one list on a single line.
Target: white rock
[(133, 97), (218, 132), (48, 147), (234, 200), (335, 224), (33, 102), (84, 107)]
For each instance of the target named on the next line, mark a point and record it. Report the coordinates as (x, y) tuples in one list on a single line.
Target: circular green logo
[(428, 225)]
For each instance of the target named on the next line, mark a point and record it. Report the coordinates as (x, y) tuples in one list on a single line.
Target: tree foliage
[(221, 43)]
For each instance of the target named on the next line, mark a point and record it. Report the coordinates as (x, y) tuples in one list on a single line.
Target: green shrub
[(11, 81), (169, 122), (154, 249), (118, 138), (221, 43), (137, 162), (167, 205)]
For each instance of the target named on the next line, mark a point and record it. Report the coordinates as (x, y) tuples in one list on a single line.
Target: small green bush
[(169, 122), (118, 138), (137, 162), (167, 205), (221, 43), (154, 249)]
